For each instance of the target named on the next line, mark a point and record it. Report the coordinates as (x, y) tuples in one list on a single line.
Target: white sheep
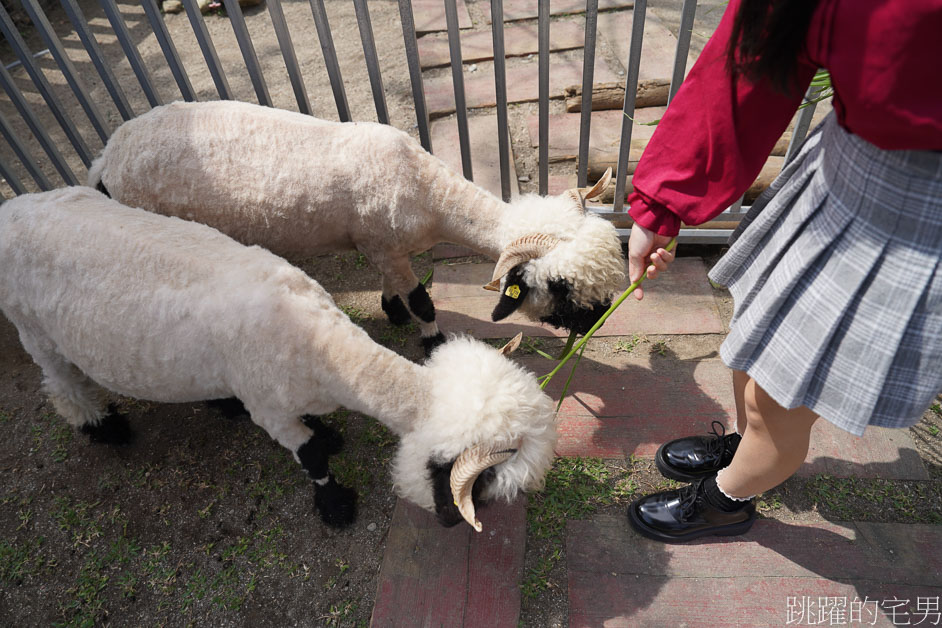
[(159, 308), (300, 186)]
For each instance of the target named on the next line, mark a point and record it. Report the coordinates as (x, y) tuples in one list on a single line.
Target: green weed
[(628, 345), (355, 314)]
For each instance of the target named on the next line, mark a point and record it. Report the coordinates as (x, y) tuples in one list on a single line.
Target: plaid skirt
[(837, 283)]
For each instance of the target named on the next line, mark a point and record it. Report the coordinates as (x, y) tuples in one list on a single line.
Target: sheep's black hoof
[(231, 408), (396, 310), (336, 504), (113, 429), (429, 343), (329, 438)]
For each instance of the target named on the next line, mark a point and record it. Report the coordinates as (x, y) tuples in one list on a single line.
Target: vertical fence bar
[(372, 60), (457, 78), (631, 95), (20, 149), (16, 97), (39, 80), (134, 57), (248, 51), (287, 52), (65, 65), (330, 59), (209, 50), (543, 29), (588, 78), (415, 72), (687, 14), (500, 84), (94, 52), (169, 50), (802, 124), (12, 180)]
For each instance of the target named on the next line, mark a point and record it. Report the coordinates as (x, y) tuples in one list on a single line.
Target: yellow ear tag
[(513, 291)]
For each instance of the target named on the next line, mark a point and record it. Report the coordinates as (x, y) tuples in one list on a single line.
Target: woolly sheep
[(159, 308), (300, 186)]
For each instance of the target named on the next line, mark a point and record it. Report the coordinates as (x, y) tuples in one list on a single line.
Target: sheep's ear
[(515, 291), (596, 190), (511, 346)]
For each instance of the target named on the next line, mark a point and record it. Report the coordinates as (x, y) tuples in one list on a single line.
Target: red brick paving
[(618, 578), (604, 132), (429, 15), (485, 159), (658, 45), (519, 40), (526, 9), (435, 576)]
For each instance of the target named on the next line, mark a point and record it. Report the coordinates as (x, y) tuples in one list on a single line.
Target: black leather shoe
[(685, 514), (694, 457)]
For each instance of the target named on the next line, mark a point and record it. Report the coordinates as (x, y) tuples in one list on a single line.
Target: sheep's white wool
[(300, 186), (479, 397), (168, 310)]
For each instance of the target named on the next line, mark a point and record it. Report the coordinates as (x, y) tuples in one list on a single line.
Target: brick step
[(429, 15), (485, 159), (519, 40), (767, 577), (435, 576), (528, 9)]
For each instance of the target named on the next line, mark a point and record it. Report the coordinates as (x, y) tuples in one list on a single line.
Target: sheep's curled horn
[(465, 471), (521, 250)]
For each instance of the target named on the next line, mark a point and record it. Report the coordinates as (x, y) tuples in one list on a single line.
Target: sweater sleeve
[(712, 141)]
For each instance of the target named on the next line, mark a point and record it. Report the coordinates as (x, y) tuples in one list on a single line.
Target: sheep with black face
[(300, 186), (158, 308)]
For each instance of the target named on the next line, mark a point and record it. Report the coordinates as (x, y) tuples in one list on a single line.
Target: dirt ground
[(204, 520)]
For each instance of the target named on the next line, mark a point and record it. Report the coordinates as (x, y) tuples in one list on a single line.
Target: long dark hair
[(768, 38)]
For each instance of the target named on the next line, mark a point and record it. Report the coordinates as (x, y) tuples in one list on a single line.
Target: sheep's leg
[(396, 311), (73, 394), (400, 281), (336, 504)]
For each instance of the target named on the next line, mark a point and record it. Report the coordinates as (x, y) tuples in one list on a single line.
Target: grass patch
[(20, 560), (576, 488), (355, 314), (627, 345), (86, 605), (398, 335), (337, 614), (859, 499), (77, 519)]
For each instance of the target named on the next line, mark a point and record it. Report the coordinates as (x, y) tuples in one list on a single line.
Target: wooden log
[(651, 93), (771, 169), (602, 159)]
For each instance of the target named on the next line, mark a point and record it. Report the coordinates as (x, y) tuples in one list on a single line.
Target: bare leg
[(774, 444), (739, 387)]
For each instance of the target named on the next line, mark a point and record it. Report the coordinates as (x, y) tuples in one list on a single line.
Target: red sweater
[(885, 60)]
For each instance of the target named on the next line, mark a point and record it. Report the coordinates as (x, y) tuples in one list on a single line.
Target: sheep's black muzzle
[(568, 315), (446, 511)]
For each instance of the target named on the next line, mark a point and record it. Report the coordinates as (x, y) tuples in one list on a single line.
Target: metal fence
[(30, 163)]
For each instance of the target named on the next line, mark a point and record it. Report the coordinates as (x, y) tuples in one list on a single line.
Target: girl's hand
[(645, 246)]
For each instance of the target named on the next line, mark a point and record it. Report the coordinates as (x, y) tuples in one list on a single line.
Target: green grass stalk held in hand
[(579, 347)]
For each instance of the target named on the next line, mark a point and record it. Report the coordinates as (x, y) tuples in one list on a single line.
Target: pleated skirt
[(836, 279)]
